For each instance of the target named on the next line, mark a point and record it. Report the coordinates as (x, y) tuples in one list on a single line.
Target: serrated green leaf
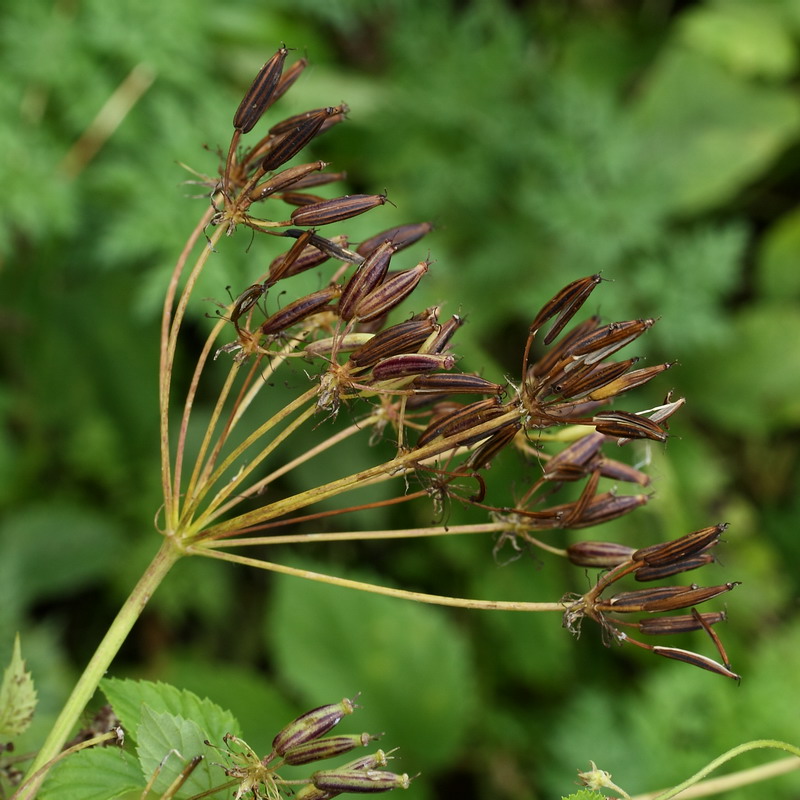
[(17, 696), (101, 773), (585, 794), (410, 663), (166, 744), (129, 697)]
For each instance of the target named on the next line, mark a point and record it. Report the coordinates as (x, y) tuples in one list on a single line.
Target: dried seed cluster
[(450, 424), (303, 741)]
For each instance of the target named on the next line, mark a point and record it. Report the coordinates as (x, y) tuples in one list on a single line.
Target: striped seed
[(485, 453), (682, 623), (401, 237), (261, 94), (407, 364), (460, 383), (564, 306), (684, 547), (631, 426), (392, 292), (337, 209), (287, 145), (604, 555), (311, 725), (282, 265), (300, 309), (405, 337), (284, 179), (462, 420), (369, 274), (630, 381), (696, 660)]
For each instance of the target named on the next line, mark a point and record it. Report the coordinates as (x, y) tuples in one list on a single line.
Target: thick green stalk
[(167, 555)]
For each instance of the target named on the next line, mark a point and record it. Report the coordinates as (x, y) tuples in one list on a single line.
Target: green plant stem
[(729, 782), (87, 684), (419, 597)]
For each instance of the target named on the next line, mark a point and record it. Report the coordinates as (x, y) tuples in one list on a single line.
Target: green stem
[(717, 762), (167, 555)]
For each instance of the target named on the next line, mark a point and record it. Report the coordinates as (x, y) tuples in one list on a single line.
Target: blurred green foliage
[(656, 142)]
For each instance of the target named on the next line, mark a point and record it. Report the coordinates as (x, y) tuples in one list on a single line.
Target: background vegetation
[(656, 142)]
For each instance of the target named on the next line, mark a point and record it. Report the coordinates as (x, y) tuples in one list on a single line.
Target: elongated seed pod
[(630, 381), (665, 598), (405, 337), (326, 747), (579, 454), (608, 506), (631, 426), (392, 292), (593, 378), (620, 471), (407, 364), (282, 264), (261, 94), (245, 301), (485, 453), (284, 179), (458, 383), (604, 555), (684, 547), (696, 660), (446, 332), (544, 366), (608, 339), (289, 144), (288, 78), (565, 305), (321, 179), (335, 247), (401, 237), (462, 420), (299, 310), (337, 209), (674, 568), (300, 199), (290, 123), (359, 781), (369, 274), (311, 725), (682, 623)]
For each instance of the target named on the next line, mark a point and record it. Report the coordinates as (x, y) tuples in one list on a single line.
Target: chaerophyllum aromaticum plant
[(392, 375)]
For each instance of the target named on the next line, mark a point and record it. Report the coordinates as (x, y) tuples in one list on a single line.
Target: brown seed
[(564, 306), (589, 379), (290, 123), (392, 292), (608, 339), (300, 199), (446, 332), (462, 420), (664, 598), (321, 179), (631, 426), (485, 453), (337, 209), (545, 365), (284, 179), (282, 265), (459, 383), (261, 93), (369, 274), (696, 660), (607, 506), (683, 623), (326, 747), (627, 382), (579, 454), (598, 554), (287, 145), (408, 364), (245, 301), (405, 337), (311, 725), (288, 78), (684, 547), (401, 237), (300, 309)]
